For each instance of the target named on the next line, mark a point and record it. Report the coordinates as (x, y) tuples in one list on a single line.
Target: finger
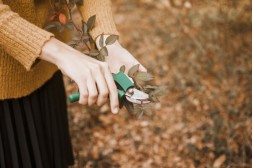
[(83, 90), (92, 90), (113, 93), (102, 87), (142, 69)]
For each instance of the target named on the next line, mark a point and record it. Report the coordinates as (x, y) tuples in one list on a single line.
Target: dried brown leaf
[(91, 22), (101, 40), (94, 53), (122, 68), (103, 51), (143, 76), (111, 39), (160, 91), (84, 27), (133, 70)]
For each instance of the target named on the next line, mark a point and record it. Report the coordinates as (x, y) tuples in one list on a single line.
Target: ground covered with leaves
[(201, 50)]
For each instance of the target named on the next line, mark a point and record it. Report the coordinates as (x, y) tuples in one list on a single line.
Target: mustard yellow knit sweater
[(22, 37)]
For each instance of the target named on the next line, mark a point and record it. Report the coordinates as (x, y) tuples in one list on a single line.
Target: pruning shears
[(126, 90)]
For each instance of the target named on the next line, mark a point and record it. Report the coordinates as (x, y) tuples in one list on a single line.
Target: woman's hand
[(118, 56), (93, 77)]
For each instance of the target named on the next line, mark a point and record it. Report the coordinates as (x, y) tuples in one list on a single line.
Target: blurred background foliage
[(202, 51)]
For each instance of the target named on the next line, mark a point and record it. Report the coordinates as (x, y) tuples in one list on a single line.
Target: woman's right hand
[(93, 77)]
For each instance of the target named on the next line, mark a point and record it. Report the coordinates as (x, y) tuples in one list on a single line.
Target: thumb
[(141, 68)]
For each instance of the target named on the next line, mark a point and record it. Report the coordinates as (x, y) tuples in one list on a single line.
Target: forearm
[(104, 18), (48, 50), (55, 51)]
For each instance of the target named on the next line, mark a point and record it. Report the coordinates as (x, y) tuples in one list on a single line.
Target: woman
[(33, 117)]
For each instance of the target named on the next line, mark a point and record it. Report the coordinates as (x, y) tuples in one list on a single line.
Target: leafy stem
[(57, 19)]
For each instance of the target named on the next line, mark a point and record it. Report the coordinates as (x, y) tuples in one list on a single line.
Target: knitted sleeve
[(20, 38), (104, 19)]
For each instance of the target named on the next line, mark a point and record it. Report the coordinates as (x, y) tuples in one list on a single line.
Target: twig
[(70, 15)]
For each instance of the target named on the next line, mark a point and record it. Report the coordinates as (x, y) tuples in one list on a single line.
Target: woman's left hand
[(118, 56)]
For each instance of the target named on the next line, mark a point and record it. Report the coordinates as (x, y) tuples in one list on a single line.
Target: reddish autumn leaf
[(62, 18), (52, 17)]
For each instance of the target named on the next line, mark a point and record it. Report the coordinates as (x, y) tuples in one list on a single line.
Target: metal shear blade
[(136, 96)]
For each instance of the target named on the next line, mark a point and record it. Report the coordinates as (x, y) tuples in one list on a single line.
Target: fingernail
[(115, 110)]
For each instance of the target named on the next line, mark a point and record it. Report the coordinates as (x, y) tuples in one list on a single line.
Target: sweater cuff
[(21, 39), (104, 18)]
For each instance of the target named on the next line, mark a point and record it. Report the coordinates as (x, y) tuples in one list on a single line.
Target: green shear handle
[(123, 84)]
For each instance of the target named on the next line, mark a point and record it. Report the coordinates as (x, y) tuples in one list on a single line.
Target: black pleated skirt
[(34, 129)]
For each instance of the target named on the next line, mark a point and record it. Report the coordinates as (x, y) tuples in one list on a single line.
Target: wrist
[(48, 49), (53, 51)]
